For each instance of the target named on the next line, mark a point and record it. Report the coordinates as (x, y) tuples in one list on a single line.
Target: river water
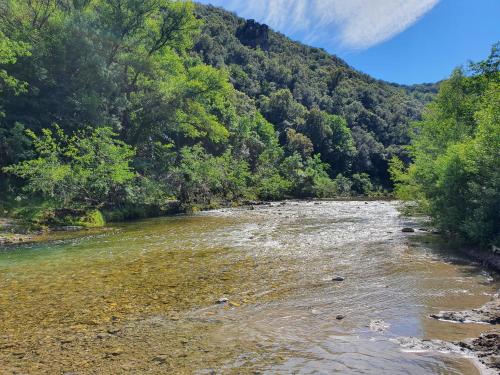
[(140, 297)]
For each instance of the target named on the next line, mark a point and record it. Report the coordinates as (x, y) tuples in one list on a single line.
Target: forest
[(114, 109)]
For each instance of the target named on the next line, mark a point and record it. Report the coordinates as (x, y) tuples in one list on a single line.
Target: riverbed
[(243, 290)]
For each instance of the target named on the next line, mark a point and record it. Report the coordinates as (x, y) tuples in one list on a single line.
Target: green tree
[(10, 51), (88, 170), (331, 138), (205, 179), (455, 175), (282, 110), (298, 143)]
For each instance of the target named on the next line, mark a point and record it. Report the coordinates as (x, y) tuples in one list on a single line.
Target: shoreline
[(16, 232)]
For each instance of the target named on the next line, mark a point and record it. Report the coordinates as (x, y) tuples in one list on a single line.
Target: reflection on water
[(141, 298)]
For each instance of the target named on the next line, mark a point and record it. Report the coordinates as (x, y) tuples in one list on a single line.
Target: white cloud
[(356, 24)]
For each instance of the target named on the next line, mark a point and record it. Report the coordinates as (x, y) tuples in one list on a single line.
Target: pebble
[(407, 230), (160, 359), (114, 352), (113, 331)]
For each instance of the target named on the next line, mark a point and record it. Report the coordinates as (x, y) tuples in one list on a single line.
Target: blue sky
[(404, 41)]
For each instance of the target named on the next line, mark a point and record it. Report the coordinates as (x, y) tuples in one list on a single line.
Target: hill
[(270, 68)]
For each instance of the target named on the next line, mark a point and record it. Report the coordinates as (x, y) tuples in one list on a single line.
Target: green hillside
[(278, 73)]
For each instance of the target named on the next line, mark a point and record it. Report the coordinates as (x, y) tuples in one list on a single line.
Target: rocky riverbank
[(489, 313), (11, 232), (485, 348), (488, 258)]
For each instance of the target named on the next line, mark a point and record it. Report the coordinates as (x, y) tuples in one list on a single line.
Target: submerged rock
[(114, 352), (113, 330), (160, 359), (222, 301), (489, 313)]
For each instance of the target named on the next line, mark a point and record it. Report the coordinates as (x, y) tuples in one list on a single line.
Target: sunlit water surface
[(140, 298)]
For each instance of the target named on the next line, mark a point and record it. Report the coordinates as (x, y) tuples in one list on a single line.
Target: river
[(141, 297)]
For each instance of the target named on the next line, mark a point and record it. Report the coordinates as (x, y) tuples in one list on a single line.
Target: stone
[(340, 317), (160, 359), (407, 230), (254, 34), (113, 330), (338, 278), (489, 313), (114, 352), (222, 301)]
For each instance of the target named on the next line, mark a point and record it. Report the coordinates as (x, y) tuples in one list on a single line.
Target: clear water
[(141, 298)]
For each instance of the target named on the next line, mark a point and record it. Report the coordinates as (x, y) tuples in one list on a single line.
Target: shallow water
[(141, 298)]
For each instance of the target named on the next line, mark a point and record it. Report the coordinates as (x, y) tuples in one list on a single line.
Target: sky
[(403, 41)]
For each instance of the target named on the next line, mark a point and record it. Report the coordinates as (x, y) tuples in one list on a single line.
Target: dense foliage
[(106, 104), (455, 170), (84, 170)]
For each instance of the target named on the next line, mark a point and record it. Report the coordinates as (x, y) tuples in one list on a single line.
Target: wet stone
[(489, 313), (114, 352)]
